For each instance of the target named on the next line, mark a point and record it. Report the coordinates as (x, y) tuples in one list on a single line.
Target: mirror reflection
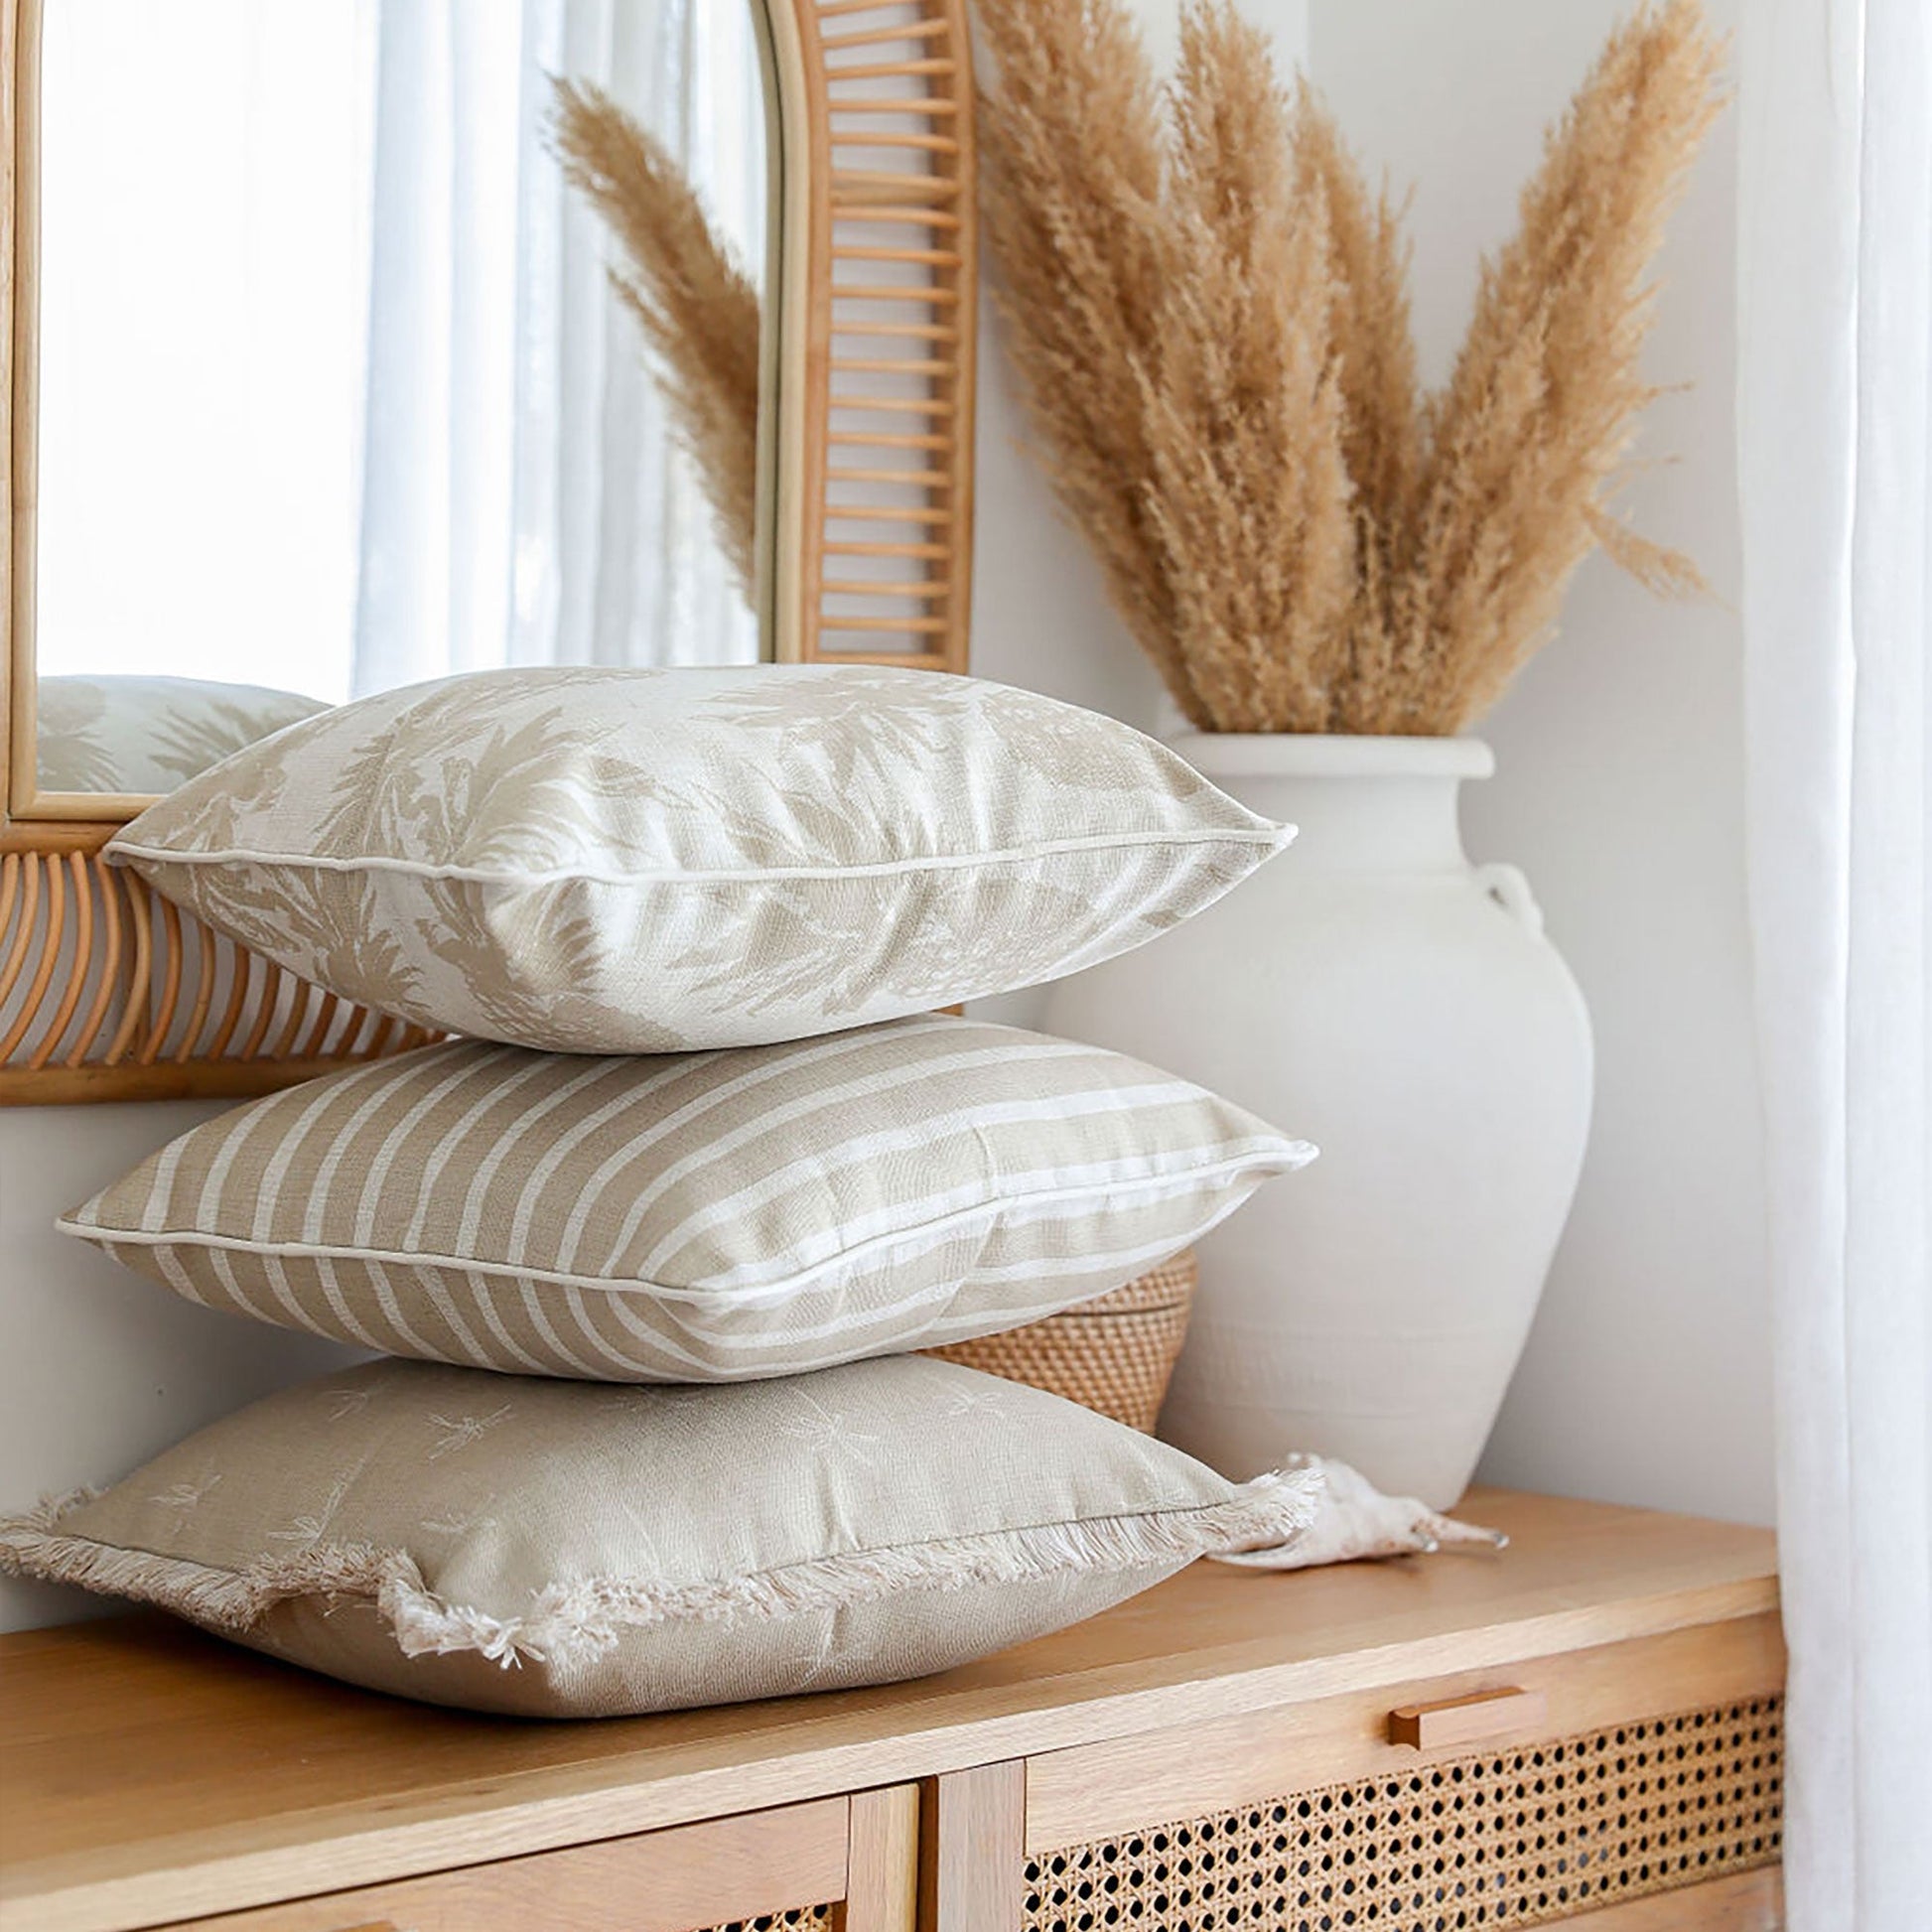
[(335, 392)]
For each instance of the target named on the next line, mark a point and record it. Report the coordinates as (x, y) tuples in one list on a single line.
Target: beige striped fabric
[(693, 1218)]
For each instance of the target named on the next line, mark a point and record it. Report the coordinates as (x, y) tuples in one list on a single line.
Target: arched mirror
[(335, 391), (358, 344)]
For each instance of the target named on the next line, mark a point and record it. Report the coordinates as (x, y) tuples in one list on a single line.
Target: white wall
[(1619, 792)]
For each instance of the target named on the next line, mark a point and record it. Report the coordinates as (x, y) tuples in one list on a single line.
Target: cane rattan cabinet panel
[(1527, 1835), (1542, 1788), (694, 1876), (1582, 1729), (717, 1873)]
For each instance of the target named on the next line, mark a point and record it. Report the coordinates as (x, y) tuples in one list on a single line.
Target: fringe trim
[(568, 1621)]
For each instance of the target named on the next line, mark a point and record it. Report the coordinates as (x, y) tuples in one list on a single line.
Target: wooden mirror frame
[(106, 991)]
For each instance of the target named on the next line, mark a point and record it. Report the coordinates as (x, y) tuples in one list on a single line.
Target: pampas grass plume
[(1207, 307)]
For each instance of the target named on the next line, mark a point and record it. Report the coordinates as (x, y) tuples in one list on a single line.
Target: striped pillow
[(693, 1218)]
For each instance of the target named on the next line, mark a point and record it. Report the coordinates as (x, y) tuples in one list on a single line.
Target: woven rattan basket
[(1116, 1354)]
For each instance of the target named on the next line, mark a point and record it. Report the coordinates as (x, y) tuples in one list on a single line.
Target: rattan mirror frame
[(106, 991)]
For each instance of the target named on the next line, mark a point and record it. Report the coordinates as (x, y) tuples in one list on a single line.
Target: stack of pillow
[(646, 1248)]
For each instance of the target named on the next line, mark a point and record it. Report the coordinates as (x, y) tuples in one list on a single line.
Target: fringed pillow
[(558, 1549)]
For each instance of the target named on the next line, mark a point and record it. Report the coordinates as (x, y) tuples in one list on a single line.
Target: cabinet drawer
[(803, 1863), (1564, 1785)]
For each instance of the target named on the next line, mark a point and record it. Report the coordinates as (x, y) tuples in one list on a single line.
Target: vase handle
[(1506, 885)]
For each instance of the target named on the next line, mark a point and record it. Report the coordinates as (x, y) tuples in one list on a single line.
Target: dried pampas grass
[(1208, 310), (694, 301)]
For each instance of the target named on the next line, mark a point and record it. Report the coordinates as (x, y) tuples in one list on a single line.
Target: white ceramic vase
[(1371, 990)]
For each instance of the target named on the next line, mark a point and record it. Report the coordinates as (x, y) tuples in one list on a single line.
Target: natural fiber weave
[(1533, 1835), (1115, 1354)]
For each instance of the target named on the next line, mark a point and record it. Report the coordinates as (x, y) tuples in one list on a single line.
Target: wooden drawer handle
[(1476, 1719)]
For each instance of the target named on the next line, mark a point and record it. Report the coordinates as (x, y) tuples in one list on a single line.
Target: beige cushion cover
[(142, 735), (691, 1218), (511, 1544), (637, 862)]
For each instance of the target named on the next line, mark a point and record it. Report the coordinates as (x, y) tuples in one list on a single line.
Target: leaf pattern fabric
[(599, 861), (702, 1217), (147, 734), (553, 1549)]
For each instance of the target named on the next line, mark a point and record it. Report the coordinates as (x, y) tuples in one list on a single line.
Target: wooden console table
[(1590, 1722)]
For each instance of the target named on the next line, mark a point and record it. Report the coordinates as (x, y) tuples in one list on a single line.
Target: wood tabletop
[(137, 1746)]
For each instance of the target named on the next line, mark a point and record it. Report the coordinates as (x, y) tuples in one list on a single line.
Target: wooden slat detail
[(927, 478), (108, 990), (732, 1868), (318, 1034), (928, 331), (893, 255), (899, 216), (204, 999), (972, 1825), (913, 143), (928, 298), (23, 904), (20, 896), (1082, 1795), (831, 622), (844, 9), (929, 551), (924, 30), (897, 365), (106, 883), (273, 981), (927, 517), (134, 996), (297, 1013), (55, 1029), (857, 587), (50, 943), (239, 981), (926, 107), (885, 186), (168, 950), (893, 69), (1745, 1902), (882, 1879), (856, 439)]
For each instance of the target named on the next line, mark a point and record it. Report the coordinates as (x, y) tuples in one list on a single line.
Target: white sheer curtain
[(1837, 438), (522, 499)]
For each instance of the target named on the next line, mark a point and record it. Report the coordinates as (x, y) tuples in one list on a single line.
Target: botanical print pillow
[(691, 1218), (143, 734), (555, 1550), (624, 862)]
